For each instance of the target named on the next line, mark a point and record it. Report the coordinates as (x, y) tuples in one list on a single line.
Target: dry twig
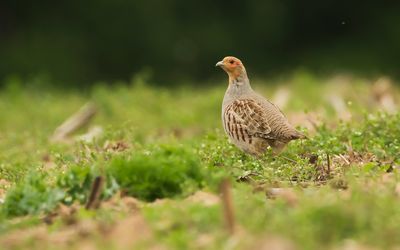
[(75, 122), (94, 197), (328, 159), (225, 189)]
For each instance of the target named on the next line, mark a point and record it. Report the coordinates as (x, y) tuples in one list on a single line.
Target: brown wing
[(248, 117)]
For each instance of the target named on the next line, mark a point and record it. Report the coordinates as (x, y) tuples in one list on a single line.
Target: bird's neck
[(239, 86)]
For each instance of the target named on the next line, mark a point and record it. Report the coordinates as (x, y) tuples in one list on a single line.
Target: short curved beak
[(219, 64)]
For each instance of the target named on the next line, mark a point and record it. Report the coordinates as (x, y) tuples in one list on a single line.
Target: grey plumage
[(251, 121)]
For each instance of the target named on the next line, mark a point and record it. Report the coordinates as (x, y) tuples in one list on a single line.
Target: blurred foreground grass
[(338, 189)]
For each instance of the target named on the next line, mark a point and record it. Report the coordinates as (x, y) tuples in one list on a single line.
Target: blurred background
[(78, 43)]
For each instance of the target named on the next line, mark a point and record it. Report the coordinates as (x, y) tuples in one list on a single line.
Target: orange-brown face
[(232, 66)]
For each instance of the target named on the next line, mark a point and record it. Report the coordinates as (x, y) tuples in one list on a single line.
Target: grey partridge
[(252, 122)]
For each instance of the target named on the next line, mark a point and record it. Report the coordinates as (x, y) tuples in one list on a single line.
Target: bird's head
[(233, 66)]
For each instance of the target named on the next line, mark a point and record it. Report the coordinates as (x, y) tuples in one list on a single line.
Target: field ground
[(160, 157)]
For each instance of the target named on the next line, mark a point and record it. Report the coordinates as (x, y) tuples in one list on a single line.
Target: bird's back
[(281, 129)]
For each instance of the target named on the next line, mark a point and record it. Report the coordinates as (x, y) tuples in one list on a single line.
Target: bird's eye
[(231, 61)]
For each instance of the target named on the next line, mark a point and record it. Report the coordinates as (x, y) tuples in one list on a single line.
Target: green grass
[(163, 145), (163, 172)]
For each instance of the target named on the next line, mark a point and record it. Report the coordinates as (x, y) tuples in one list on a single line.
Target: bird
[(252, 122)]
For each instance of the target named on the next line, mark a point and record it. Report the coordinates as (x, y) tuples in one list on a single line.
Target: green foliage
[(376, 135), (32, 196), (77, 183), (162, 171), (168, 143), (322, 216), (174, 223), (35, 194), (379, 135)]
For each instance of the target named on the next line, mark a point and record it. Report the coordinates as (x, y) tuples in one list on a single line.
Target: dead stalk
[(75, 122), (344, 159), (227, 203), (328, 159), (94, 197)]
